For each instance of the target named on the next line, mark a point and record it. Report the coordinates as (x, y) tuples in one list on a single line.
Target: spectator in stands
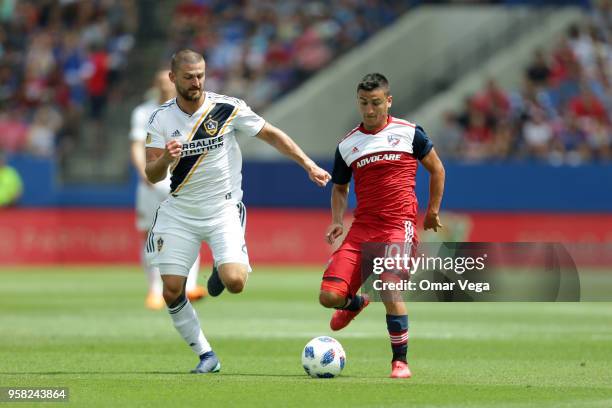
[(571, 146), (528, 97), (42, 132), (450, 136), (581, 43), (586, 106), (97, 81), (504, 140), (537, 134), (538, 70), (478, 138), (599, 137), (11, 185), (13, 130), (494, 100)]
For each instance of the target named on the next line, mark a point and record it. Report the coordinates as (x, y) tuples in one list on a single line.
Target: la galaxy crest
[(211, 126)]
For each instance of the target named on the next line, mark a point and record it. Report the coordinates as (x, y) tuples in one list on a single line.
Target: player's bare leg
[(185, 319), (154, 299), (233, 275), (348, 307), (397, 325)]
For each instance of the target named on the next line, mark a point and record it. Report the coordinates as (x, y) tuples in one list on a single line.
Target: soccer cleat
[(154, 301), (399, 369), (214, 285), (341, 318), (209, 363), (196, 293)]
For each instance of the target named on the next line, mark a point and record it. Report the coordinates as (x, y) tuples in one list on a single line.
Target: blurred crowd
[(60, 63), (63, 61), (560, 115), (258, 50)]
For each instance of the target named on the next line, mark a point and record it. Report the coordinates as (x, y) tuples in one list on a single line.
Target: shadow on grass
[(149, 373)]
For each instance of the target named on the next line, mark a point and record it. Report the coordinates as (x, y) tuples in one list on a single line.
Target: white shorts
[(148, 199), (176, 238)]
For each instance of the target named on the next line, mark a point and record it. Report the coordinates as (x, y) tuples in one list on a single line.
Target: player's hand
[(432, 221), (318, 176), (333, 232), (173, 151)]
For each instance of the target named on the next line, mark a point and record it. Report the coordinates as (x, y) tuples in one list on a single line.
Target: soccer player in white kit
[(194, 136), (149, 196)]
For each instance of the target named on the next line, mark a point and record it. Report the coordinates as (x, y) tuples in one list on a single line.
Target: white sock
[(152, 272), (184, 317), (192, 278), (187, 324)]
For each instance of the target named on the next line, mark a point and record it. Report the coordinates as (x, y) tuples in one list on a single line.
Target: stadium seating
[(561, 113), (60, 64), (259, 52)]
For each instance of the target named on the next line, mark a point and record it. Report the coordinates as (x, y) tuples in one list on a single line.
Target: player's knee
[(235, 283), (171, 294), (234, 277), (331, 299)]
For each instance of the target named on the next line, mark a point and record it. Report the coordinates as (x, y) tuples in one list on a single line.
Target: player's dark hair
[(374, 81), (185, 56)]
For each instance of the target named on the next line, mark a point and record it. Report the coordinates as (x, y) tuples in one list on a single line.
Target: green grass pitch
[(87, 329)]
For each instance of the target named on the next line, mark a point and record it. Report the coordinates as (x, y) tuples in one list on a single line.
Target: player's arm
[(341, 177), (339, 203), (158, 160), (434, 166), (138, 158), (138, 134), (284, 144)]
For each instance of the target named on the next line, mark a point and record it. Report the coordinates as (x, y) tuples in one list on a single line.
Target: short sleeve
[(421, 145), (341, 173), (247, 122), (155, 134), (138, 131)]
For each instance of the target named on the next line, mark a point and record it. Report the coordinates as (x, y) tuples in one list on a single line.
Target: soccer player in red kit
[(382, 153)]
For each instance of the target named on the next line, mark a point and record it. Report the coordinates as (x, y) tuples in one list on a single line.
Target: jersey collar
[(362, 129), (206, 100)]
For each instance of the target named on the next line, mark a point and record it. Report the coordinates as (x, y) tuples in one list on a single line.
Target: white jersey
[(209, 171), (138, 133)]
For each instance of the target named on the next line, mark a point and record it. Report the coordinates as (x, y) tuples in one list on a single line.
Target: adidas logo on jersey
[(176, 133)]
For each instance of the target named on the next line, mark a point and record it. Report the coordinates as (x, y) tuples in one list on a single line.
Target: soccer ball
[(323, 357)]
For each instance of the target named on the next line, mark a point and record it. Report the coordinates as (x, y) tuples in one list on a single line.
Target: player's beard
[(190, 94)]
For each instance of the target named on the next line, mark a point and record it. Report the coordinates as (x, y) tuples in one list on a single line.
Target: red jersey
[(98, 82), (384, 164)]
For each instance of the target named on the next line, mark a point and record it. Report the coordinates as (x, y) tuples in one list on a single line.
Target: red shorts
[(344, 267)]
